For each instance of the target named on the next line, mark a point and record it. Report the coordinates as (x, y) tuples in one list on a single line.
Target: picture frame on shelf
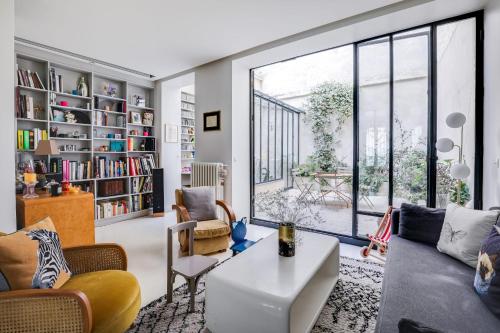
[(147, 118), (211, 121), (135, 117)]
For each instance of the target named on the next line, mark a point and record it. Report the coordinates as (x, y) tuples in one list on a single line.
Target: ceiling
[(164, 37)]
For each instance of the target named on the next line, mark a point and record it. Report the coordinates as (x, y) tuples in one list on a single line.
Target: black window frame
[(285, 109), (432, 122)]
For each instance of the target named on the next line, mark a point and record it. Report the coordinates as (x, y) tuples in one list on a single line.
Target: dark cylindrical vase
[(287, 239)]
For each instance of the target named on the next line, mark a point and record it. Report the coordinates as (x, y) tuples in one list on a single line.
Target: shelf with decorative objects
[(104, 129)]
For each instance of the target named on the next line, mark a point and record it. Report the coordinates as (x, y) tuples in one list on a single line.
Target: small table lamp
[(47, 147), (44, 147)]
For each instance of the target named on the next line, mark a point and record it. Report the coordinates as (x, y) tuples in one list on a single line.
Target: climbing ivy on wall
[(328, 108)]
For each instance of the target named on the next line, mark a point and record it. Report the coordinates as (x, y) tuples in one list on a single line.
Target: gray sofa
[(429, 287)]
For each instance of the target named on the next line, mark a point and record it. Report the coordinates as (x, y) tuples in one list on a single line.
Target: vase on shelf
[(82, 87), (286, 239)]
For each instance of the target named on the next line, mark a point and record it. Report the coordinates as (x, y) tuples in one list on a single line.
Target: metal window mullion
[(432, 120), (260, 140), (355, 123), (391, 120)]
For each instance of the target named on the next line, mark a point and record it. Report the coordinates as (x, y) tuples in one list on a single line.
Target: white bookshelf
[(188, 135), (85, 108)]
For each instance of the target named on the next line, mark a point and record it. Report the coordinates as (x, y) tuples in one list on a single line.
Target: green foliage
[(329, 106), (464, 193), (410, 166), (307, 169), (371, 178)]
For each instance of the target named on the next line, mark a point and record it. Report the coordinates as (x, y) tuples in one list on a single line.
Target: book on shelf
[(76, 170), (28, 139), (105, 168), (107, 209), (141, 165), (25, 106), (102, 118), (55, 165), (27, 78), (56, 81), (141, 202), (111, 187), (142, 184)]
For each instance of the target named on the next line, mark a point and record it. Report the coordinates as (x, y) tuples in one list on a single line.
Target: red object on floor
[(381, 237)]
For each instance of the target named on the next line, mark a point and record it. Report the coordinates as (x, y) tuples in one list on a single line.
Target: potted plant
[(291, 212)]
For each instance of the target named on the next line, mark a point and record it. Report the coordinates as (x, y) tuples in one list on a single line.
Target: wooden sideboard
[(72, 214)]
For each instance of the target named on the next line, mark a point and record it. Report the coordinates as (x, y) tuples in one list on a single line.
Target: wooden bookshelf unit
[(187, 135), (99, 133)]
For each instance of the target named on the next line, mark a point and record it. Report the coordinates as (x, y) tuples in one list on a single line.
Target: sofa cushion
[(424, 285), (487, 280), (32, 258), (463, 231), (421, 224), (200, 203), (211, 229), (114, 297)]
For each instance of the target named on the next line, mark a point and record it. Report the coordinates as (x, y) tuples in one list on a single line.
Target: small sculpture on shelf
[(83, 90), (147, 118), (110, 89), (70, 118)]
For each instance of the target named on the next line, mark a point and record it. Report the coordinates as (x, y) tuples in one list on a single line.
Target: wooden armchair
[(99, 297), (209, 236)]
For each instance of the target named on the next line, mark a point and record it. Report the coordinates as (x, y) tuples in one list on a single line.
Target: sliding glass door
[(353, 130)]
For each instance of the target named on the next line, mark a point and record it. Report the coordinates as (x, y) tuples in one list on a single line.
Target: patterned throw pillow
[(487, 280), (463, 231), (32, 258)]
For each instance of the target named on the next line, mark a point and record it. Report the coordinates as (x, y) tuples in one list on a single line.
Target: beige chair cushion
[(211, 229)]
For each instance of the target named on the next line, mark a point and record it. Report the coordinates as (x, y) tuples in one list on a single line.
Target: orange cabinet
[(72, 214)]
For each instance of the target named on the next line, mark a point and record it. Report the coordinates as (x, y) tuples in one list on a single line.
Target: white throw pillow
[(463, 231)]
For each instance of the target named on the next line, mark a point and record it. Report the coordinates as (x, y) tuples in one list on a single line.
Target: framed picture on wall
[(135, 117), (211, 121)]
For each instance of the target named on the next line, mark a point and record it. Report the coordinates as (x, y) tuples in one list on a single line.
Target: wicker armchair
[(69, 310), (209, 236)]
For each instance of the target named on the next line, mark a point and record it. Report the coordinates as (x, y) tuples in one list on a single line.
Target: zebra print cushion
[(32, 258)]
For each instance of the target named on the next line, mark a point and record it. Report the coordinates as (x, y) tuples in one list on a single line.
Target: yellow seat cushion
[(115, 298), (211, 229)]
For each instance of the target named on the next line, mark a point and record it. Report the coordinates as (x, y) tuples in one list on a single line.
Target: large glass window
[(411, 116), (456, 94), (353, 130), (274, 139)]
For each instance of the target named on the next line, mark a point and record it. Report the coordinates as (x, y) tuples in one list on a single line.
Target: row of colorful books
[(28, 139), (104, 168), (107, 209), (141, 202), (142, 165), (25, 107), (27, 78), (71, 170), (142, 184)]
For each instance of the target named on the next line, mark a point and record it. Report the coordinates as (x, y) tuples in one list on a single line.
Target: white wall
[(491, 181), (7, 135), (241, 139), (214, 93)]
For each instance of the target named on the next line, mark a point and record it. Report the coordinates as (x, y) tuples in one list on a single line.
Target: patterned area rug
[(352, 306)]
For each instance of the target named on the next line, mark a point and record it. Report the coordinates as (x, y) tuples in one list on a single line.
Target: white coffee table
[(259, 291)]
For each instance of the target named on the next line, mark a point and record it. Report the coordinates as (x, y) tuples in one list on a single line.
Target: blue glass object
[(239, 231)]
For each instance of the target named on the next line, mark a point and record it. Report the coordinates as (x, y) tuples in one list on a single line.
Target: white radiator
[(209, 174)]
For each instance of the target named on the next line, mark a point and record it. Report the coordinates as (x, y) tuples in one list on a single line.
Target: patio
[(332, 208)]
